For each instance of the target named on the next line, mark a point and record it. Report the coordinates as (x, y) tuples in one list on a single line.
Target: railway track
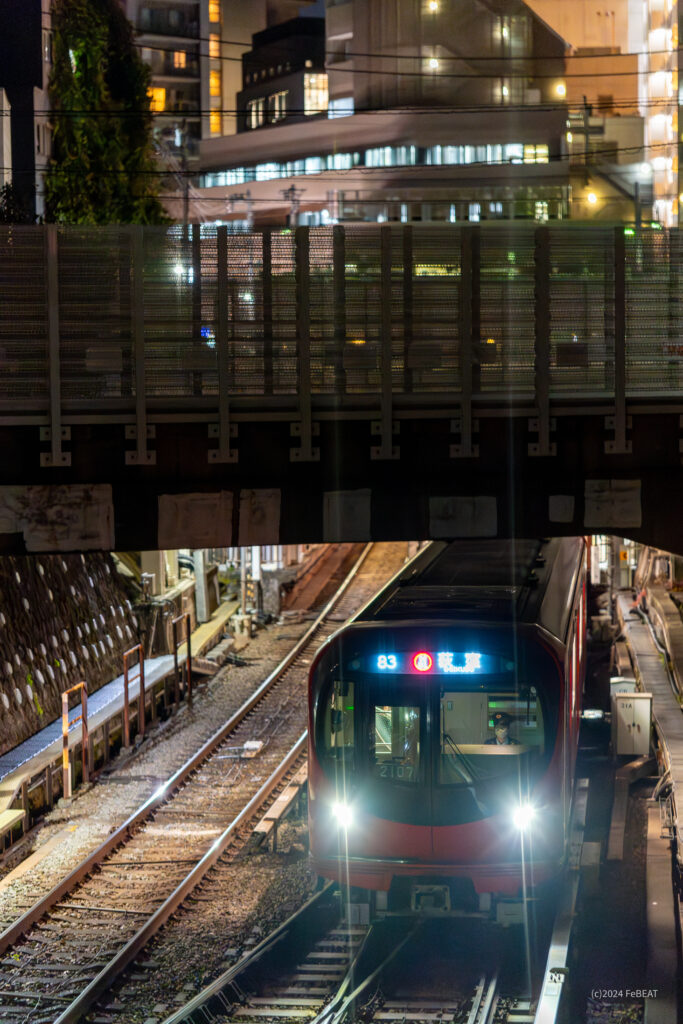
[(67, 949), (347, 974)]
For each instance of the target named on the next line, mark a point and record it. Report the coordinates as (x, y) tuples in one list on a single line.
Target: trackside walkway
[(36, 754)]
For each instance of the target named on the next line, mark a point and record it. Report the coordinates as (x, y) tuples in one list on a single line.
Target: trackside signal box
[(631, 723)]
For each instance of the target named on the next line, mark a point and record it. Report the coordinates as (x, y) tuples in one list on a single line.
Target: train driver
[(501, 731)]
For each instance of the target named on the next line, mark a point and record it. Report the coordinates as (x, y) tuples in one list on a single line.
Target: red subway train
[(443, 726)]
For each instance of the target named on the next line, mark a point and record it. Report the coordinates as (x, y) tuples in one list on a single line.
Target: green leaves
[(102, 169)]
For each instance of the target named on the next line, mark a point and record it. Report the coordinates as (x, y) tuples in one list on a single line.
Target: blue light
[(446, 663), (387, 662)]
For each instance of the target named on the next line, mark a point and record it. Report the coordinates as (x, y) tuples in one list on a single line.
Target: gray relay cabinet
[(631, 723)]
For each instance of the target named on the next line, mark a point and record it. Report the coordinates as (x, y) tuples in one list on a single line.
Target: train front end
[(410, 783)]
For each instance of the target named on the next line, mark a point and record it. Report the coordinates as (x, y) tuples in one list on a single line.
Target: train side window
[(394, 745), (338, 725)]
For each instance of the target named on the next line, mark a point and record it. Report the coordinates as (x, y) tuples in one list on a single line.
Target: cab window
[(394, 746), (337, 722)]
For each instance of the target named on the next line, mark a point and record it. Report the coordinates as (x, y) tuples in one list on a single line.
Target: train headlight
[(523, 816), (343, 814)]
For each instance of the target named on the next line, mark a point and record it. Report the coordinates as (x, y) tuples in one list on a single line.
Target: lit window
[(535, 154), (277, 105), (215, 83), (316, 96), (179, 59), (214, 46), (341, 107), (214, 10), (256, 112), (157, 99), (215, 122)]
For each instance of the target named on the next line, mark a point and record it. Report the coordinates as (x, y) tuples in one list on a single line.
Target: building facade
[(435, 111), (284, 75), (625, 61), (176, 40), (25, 62)]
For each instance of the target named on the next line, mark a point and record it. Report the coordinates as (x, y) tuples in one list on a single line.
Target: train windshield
[(483, 735), (416, 733)]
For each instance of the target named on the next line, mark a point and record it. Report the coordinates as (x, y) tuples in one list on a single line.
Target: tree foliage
[(102, 168), (12, 208)]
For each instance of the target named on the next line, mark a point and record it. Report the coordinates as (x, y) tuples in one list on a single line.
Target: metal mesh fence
[(431, 301), (23, 316), (507, 288), (581, 311), (95, 313), (654, 352)]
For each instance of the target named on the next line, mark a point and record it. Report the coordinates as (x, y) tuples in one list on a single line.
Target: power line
[(428, 73), (504, 108), (393, 56)]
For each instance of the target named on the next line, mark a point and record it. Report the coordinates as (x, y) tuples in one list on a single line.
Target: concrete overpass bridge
[(170, 387)]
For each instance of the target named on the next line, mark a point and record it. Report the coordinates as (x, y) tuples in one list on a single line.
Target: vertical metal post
[(197, 341), (469, 334), (619, 446), (188, 640), (385, 428), (55, 457), (66, 764), (542, 343), (267, 288), (141, 456), (126, 709), (24, 806), (243, 581), (176, 674), (339, 304), (84, 732), (105, 742), (305, 452), (407, 232), (141, 711), (49, 794), (223, 452)]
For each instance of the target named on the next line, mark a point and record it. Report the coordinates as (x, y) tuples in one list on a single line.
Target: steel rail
[(341, 1003), (74, 1012), (19, 927), (214, 989)]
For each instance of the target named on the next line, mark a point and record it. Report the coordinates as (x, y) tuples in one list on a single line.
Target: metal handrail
[(141, 701), (185, 617), (83, 717)]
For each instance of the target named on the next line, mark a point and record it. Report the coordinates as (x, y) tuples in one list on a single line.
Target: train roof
[(506, 581)]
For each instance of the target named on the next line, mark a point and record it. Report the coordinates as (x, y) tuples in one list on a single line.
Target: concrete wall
[(63, 619)]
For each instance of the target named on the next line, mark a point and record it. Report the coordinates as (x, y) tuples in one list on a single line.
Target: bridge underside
[(343, 489), (170, 387)]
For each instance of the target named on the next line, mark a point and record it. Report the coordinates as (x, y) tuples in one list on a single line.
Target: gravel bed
[(262, 889), (130, 779), (265, 890)]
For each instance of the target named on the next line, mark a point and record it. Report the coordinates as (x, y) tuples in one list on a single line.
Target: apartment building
[(425, 111)]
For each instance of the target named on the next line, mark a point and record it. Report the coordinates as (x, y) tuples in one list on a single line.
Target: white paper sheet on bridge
[(195, 520), (68, 517)]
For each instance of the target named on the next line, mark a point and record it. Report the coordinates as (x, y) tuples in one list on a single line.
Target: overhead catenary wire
[(431, 74), (248, 44), (545, 106)]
